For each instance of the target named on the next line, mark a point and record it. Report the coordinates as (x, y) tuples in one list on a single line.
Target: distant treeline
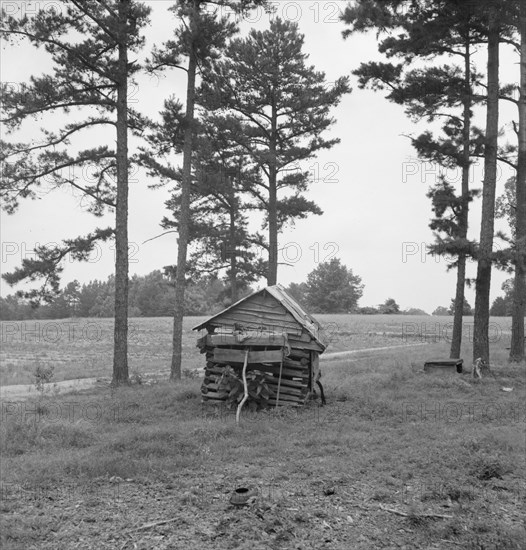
[(502, 305), (152, 295)]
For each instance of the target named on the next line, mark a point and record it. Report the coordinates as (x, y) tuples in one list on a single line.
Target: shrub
[(43, 375)]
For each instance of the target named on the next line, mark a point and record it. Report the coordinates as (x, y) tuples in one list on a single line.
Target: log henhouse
[(282, 341)]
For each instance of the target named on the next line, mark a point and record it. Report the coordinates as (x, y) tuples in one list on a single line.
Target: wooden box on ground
[(282, 341), (446, 366)]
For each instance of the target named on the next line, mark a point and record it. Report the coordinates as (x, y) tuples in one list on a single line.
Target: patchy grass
[(87, 470)]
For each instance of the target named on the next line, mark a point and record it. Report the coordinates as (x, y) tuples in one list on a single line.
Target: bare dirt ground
[(313, 510)]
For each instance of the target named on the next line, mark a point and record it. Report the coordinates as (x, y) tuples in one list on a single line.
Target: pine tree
[(223, 177), (432, 31), (517, 352), (219, 240), (198, 40), (483, 281), (429, 29), (282, 108), (89, 42)]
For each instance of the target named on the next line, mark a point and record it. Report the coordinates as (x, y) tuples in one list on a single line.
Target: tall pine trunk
[(233, 242), (272, 277), (483, 282), (120, 350), (184, 217), (456, 341), (519, 292)]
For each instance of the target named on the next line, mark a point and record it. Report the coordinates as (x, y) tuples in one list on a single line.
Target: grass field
[(397, 458), (82, 348)]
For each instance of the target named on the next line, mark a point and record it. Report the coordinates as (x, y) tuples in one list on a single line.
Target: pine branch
[(56, 140), (42, 40), (47, 265), (81, 5), (108, 8), (65, 105), (91, 194), (158, 236)]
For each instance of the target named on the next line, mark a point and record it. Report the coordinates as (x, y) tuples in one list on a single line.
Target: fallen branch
[(398, 513)]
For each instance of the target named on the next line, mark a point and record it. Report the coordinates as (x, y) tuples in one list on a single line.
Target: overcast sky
[(371, 186)]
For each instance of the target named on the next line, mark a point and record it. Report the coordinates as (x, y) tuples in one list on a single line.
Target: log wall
[(296, 372), (270, 332)]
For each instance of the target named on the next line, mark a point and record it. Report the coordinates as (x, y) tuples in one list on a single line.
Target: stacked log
[(267, 354)]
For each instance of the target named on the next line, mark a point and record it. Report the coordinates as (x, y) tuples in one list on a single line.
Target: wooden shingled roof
[(305, 320)]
